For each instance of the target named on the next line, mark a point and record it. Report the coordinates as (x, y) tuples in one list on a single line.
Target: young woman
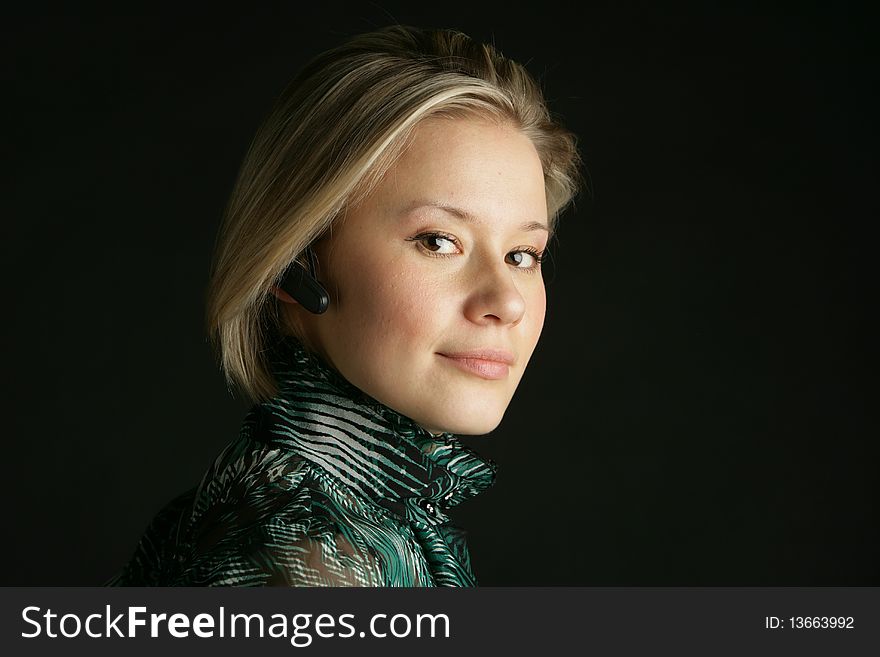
[(376, 289)]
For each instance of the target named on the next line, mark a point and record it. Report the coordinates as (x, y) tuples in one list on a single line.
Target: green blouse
[(325, 486)]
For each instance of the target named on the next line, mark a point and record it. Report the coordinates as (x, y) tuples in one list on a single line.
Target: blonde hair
[(330, 137)]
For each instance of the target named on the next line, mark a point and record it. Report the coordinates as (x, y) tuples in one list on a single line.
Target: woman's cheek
[(541, 305)]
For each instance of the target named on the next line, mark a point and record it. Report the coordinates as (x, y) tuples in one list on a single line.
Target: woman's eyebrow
[(464, 215)]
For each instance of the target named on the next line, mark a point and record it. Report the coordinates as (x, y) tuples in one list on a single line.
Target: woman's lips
[(487, 369)]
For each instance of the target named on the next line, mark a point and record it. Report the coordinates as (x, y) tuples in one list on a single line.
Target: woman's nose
[(494, 295)]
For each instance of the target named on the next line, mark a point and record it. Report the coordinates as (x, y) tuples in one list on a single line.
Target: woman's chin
[(466, 425)]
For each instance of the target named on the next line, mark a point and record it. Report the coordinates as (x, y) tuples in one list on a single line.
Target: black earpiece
[(304, 287)]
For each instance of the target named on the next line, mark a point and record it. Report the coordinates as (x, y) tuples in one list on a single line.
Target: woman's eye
[(436, 243), (525, 259)]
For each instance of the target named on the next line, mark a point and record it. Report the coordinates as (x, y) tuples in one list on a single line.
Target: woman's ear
[(281, 295)]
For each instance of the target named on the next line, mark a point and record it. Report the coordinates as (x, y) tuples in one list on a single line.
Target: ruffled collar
[(368, 446)]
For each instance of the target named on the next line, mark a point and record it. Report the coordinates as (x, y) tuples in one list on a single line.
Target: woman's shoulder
[(264, 516), (247, 485), (261, 515)]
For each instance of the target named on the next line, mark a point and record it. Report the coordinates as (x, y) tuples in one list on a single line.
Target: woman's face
[(412, 284)]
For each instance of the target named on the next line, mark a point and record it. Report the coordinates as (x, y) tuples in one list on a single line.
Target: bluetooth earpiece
[(304, 287)]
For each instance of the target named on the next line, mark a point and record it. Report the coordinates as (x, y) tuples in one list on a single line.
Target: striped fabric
[(325, 486)]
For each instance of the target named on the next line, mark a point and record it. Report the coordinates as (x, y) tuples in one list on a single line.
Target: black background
[(696, 411)]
